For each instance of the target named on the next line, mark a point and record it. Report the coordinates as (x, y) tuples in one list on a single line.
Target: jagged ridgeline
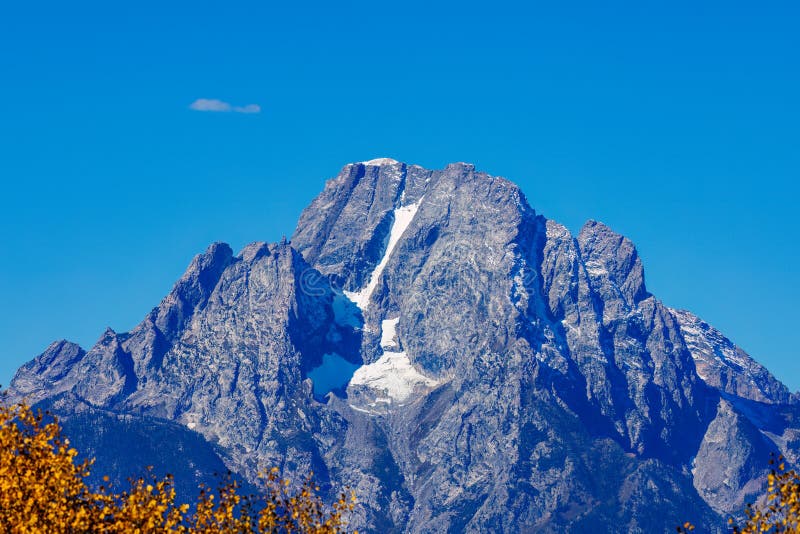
[(460, 361)]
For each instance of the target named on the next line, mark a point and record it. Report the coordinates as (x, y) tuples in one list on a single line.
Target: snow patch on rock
[(402, 219), (596, 269), (723, 365), (389, 333), (390, 381), (380, 161), (393, 376)]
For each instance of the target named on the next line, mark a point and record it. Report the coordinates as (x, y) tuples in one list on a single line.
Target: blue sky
[(675, 123)]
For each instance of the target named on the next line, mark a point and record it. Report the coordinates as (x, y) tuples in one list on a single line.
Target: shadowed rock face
[(511, 377)]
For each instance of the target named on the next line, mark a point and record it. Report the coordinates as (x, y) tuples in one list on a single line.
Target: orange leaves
[(300, 510), (43, 490), (39, 480), (780, 511)]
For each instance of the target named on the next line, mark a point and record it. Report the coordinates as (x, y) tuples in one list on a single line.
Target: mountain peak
[(723, 365), (460, 165), (193, 288), (613, 256), (473, 349), (377, 162), (36, 379)]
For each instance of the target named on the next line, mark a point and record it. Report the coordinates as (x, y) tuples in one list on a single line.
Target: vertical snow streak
[(393, 374), (402, 219)]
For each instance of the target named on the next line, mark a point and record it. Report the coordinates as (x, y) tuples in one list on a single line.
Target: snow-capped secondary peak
[(377, 162)]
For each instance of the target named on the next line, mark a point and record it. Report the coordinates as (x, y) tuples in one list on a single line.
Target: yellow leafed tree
[(43, 489), (779, 511)]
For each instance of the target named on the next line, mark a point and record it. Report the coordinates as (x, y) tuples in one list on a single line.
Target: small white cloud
[(212, 104), (209, 104), (249, 108)]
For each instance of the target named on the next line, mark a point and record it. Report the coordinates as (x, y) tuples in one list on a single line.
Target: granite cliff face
[(459, 360)]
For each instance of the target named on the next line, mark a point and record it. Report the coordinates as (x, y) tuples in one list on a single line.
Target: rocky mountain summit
[(460, 361)]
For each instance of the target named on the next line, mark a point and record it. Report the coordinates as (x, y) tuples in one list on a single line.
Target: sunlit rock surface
[(460, 361)]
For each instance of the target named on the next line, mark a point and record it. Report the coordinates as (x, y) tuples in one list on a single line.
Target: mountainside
[(460, 361)]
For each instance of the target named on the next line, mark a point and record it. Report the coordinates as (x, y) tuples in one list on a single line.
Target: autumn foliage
[(43, 489), (779, 511)]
